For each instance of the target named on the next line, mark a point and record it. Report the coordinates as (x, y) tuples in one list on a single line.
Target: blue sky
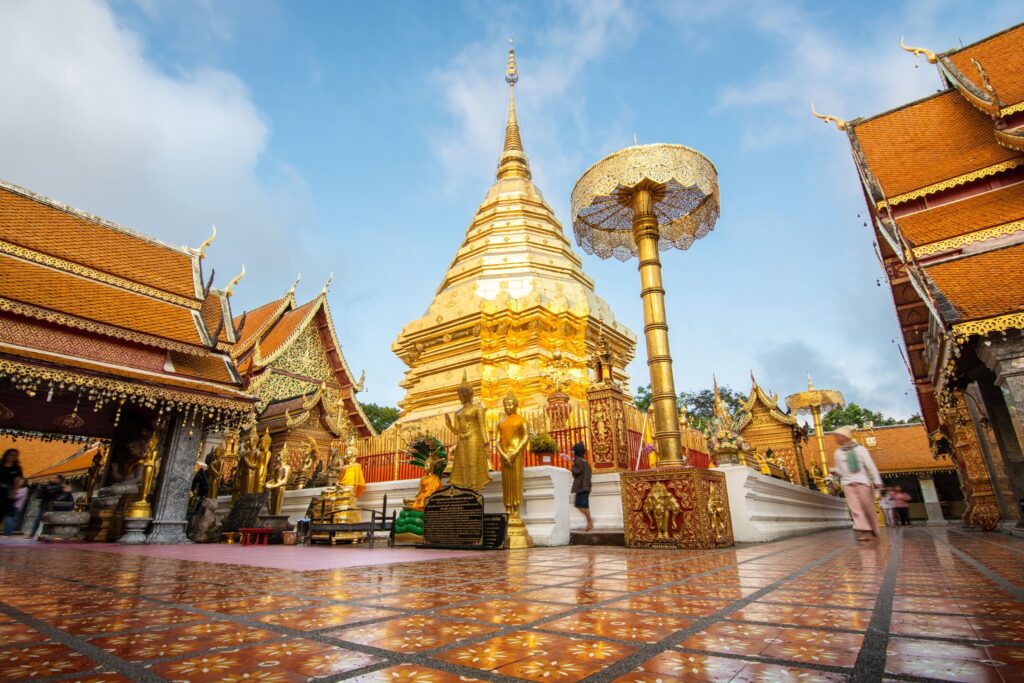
[(359, 139)]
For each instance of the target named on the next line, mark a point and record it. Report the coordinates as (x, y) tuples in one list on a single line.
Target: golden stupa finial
[(513, 163), (810, 384), (230, 289), (839, 123), (207, 242), (916, 51)]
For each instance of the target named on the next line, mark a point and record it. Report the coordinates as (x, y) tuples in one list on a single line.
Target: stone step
[(597, 538)]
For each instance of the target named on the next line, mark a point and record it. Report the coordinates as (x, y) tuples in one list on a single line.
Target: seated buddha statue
[(430, 483)]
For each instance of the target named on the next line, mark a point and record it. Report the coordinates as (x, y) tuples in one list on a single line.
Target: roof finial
[(513, 163), (840, 124), (291, 290), (929, 55), (323, 292), (207, 242), (230, 289)]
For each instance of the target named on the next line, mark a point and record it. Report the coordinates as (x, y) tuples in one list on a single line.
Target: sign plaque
[(454, 518)]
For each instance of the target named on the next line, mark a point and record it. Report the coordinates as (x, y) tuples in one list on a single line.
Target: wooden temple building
[(108, 334), (943, 178), (290, 358)]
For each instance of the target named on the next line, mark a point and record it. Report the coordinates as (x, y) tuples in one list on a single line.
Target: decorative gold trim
[(839, 123), (952, 182), (1011, 139), (1012, 109), (259, 360), (122, 389), (999, 323), (969, 238), (98, 275), (238, 349), (51, 316)]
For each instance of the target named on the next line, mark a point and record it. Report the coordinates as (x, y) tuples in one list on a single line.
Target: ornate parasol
[(638, 201), (815, 401)]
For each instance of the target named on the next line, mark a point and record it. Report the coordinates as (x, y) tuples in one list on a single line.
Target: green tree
[(853, 414), (700, 405), (381, 417), (642, 400)]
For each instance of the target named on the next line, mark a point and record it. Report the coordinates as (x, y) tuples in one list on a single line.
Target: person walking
[(53, 491), (16, 502), (581, 482), (10, 471), (859, 477), (887, 504), (901, 506)]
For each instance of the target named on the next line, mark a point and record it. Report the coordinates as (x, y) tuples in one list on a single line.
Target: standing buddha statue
[(277, 481), (513, 438), (471, 462), (264, 461), (214, 471)]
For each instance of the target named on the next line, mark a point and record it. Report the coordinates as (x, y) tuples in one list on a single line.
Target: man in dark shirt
[(581, 482)]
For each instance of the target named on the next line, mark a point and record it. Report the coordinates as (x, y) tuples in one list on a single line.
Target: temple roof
[(927, 143), (1003, 60), (948, 220), (74, 465), (896, 449), (43, 225), (36, 455), (983, 285), (85, 296), (770, 402)]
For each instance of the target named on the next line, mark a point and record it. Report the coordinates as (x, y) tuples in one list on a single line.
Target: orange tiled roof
[(899, 448), (1002, 57), (256, 322), (36, 456), (1003, 205), (927, 142), (35, 224), (38, 285), (210, 368), (212, 313), (983, 285), (78, 464), (284, 328)]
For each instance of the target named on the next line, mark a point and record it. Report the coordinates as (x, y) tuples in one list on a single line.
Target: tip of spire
[(511, 76)]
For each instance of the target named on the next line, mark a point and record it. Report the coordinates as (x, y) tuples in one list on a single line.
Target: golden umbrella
[(639, 201), (814, 401)]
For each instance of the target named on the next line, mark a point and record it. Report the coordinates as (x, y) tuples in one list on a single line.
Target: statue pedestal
[(516, 536), (63, 525), (678, 507), (135, 530), (609, 437), (279, 523)]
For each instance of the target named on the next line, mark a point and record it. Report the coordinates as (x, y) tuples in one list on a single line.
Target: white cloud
[(87, 119), (551, 60)]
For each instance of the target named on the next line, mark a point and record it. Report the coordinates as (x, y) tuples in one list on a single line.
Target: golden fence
[(383, 456)]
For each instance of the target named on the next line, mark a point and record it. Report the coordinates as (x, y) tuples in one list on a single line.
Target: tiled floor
[(921, 605)]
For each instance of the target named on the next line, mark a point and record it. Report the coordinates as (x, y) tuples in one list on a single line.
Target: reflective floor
[(922, 604)]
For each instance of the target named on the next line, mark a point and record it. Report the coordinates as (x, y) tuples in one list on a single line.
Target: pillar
[(931, 499), (992, 445), (1004, 356), (176, 470), (982, 509)]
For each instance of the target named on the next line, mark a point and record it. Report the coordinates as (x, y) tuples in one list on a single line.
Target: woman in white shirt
[(859, 478)]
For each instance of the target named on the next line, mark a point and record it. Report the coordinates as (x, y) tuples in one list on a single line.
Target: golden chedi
[(514, 294)]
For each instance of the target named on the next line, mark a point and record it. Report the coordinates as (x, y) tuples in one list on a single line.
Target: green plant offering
[(543, 443)]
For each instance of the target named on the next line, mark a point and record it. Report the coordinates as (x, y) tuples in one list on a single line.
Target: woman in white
[(886, 503), (859, 478)]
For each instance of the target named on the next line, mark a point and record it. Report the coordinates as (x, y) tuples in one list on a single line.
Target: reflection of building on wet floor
[(938, 600)]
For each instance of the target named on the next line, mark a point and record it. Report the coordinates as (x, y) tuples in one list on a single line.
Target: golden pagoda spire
[(513, 162)]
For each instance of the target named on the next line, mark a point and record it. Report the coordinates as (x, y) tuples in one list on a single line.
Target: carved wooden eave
[(770, 403)]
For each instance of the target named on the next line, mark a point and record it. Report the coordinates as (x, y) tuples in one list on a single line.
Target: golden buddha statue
[(145, 472), (264, 461), (351, 482), (277, 481), (214, 471), (513, 437), (248, 464), (430, 484), (471, 461)]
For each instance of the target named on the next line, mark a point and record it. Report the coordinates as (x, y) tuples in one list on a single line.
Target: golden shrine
[(771, 433), (514, 295), (944, 182), (290, 359)]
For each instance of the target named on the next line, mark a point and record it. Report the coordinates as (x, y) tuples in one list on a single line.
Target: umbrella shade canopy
[(814, 398), (684, 189)]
